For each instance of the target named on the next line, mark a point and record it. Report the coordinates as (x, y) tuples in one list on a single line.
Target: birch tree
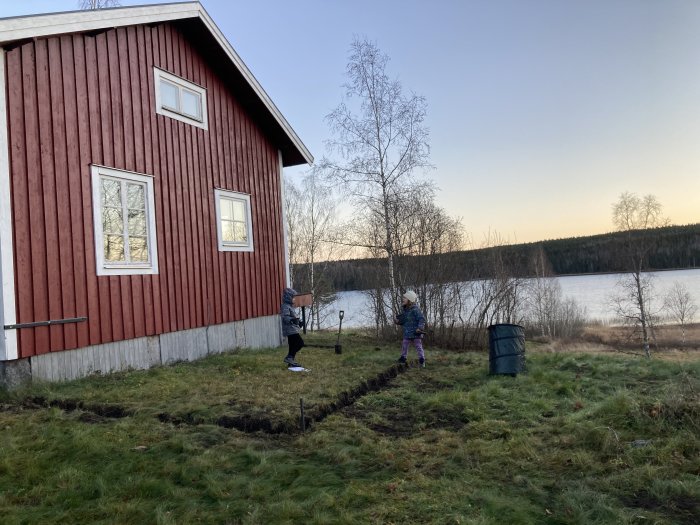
[(381, 139), (679, 303), (636, 217)]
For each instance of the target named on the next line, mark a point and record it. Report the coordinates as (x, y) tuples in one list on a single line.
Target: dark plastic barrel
[(506, 349)]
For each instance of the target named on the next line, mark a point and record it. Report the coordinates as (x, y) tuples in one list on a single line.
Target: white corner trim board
[(8, 315)]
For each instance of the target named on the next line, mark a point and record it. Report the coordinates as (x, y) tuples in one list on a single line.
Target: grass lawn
[(579, 438)]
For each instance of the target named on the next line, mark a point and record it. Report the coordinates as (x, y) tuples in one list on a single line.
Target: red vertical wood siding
[(77, 100)]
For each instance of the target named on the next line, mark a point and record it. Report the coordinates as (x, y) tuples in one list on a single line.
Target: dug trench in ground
[(244, 423), (251, 423), (70, 405)]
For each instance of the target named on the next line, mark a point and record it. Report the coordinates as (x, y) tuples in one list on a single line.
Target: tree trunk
[(314, 308), (390, 252), (642, 313)]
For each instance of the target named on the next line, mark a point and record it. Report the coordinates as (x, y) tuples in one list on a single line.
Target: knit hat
[(410, 296)]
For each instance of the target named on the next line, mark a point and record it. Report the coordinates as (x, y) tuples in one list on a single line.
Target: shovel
[(338, 348)]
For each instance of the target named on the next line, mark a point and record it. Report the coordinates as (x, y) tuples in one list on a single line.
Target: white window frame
[(234, 246), (123, 268), (180, 83)]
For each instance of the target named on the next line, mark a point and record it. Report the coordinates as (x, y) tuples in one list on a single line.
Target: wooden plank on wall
[(20, 157), (148, 103), (258, 212), (248, 279), (77, 273), (233, 295), (84, 113), (278, 238), (212, 252), (110, 289), (144, 162), (234, 273), (66, 335), (168, 294), (282, 269), (50, 251), (267, 245), (123, 153), (196, 212), (144, 309), (132, 286), (184, 143), (96, 73), (218, 171), (193, 156)]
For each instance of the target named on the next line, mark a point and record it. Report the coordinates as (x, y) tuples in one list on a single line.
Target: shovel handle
[(341, 314)]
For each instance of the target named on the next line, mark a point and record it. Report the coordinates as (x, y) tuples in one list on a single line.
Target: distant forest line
[(673, 247)]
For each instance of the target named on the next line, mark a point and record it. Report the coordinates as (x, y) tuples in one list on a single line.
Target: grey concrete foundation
[(143, 353), (15, 373)]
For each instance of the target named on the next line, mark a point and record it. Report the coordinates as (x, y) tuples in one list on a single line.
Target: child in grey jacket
[(290, 326), (413, 324)]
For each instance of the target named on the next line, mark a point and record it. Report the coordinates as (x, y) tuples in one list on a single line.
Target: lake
[(590, 291)]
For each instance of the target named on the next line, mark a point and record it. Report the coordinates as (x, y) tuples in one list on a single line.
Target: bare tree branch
[(98, 4), (313, 226)]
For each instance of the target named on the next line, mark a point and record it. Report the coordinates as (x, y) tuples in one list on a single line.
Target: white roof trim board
[(26, 27)]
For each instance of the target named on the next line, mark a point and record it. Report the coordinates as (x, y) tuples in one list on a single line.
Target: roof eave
[(49, 24)]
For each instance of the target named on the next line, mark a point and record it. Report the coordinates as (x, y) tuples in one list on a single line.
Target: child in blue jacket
[(413, 326)]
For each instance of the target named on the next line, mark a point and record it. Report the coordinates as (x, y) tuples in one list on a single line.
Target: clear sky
[(541, 112)]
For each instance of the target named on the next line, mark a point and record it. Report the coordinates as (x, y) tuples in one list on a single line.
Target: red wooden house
[(141, 211)]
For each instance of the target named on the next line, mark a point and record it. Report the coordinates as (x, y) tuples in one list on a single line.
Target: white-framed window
[(233, 221), (125, 223), (180, 99)]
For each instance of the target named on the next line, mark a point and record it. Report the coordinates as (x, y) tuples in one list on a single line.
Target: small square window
[(233, 218), (124, 213), (180, 99), (192, 104), (169, 95)]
